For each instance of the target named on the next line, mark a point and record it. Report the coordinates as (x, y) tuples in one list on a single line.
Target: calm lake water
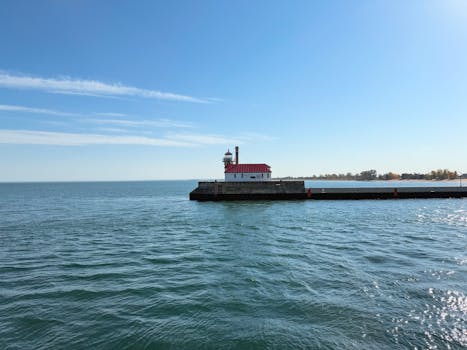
[(135, 265)]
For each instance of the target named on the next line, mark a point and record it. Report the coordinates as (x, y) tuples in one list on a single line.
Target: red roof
[(248, 168)]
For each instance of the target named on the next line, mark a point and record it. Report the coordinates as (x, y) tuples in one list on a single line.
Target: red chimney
[(236, 154)]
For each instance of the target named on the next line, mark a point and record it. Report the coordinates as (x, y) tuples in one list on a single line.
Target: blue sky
[(126, 90)]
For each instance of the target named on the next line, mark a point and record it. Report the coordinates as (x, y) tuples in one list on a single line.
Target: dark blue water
[(137, 265)]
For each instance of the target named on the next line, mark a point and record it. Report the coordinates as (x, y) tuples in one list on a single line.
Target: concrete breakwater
[(282, 190), (249, 190)]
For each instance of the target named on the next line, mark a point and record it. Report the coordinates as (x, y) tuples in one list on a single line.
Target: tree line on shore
[(369, 175)]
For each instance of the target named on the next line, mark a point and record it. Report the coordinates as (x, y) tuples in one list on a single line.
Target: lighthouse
[(234, 171), (227, 158)]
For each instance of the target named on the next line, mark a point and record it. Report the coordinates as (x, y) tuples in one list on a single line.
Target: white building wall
[(247, 176)]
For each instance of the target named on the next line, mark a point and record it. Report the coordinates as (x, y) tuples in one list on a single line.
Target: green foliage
[(370, 175), (367, 175)]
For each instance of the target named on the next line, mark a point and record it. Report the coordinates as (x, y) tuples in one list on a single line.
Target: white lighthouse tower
[(227, 159)]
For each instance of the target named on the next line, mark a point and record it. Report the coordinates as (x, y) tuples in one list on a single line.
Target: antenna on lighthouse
[(236, 154)]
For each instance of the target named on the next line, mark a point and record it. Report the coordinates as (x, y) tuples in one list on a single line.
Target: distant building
[(234, 171)]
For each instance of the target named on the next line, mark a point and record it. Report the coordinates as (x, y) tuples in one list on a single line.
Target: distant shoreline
[(376, 180)]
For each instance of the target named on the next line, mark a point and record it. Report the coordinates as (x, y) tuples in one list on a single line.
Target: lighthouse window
[(235, 175), (242, 175)]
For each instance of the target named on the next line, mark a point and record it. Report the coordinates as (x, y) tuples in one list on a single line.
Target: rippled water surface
[(137, 265)]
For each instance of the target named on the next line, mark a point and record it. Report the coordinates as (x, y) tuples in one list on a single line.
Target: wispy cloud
[(34, 137), (160, 123), (122, 131), (114, 130), (205, 139), (213, 139), (111, 114), (67, 85), (15, 108), (254, 136), (31, 137)]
